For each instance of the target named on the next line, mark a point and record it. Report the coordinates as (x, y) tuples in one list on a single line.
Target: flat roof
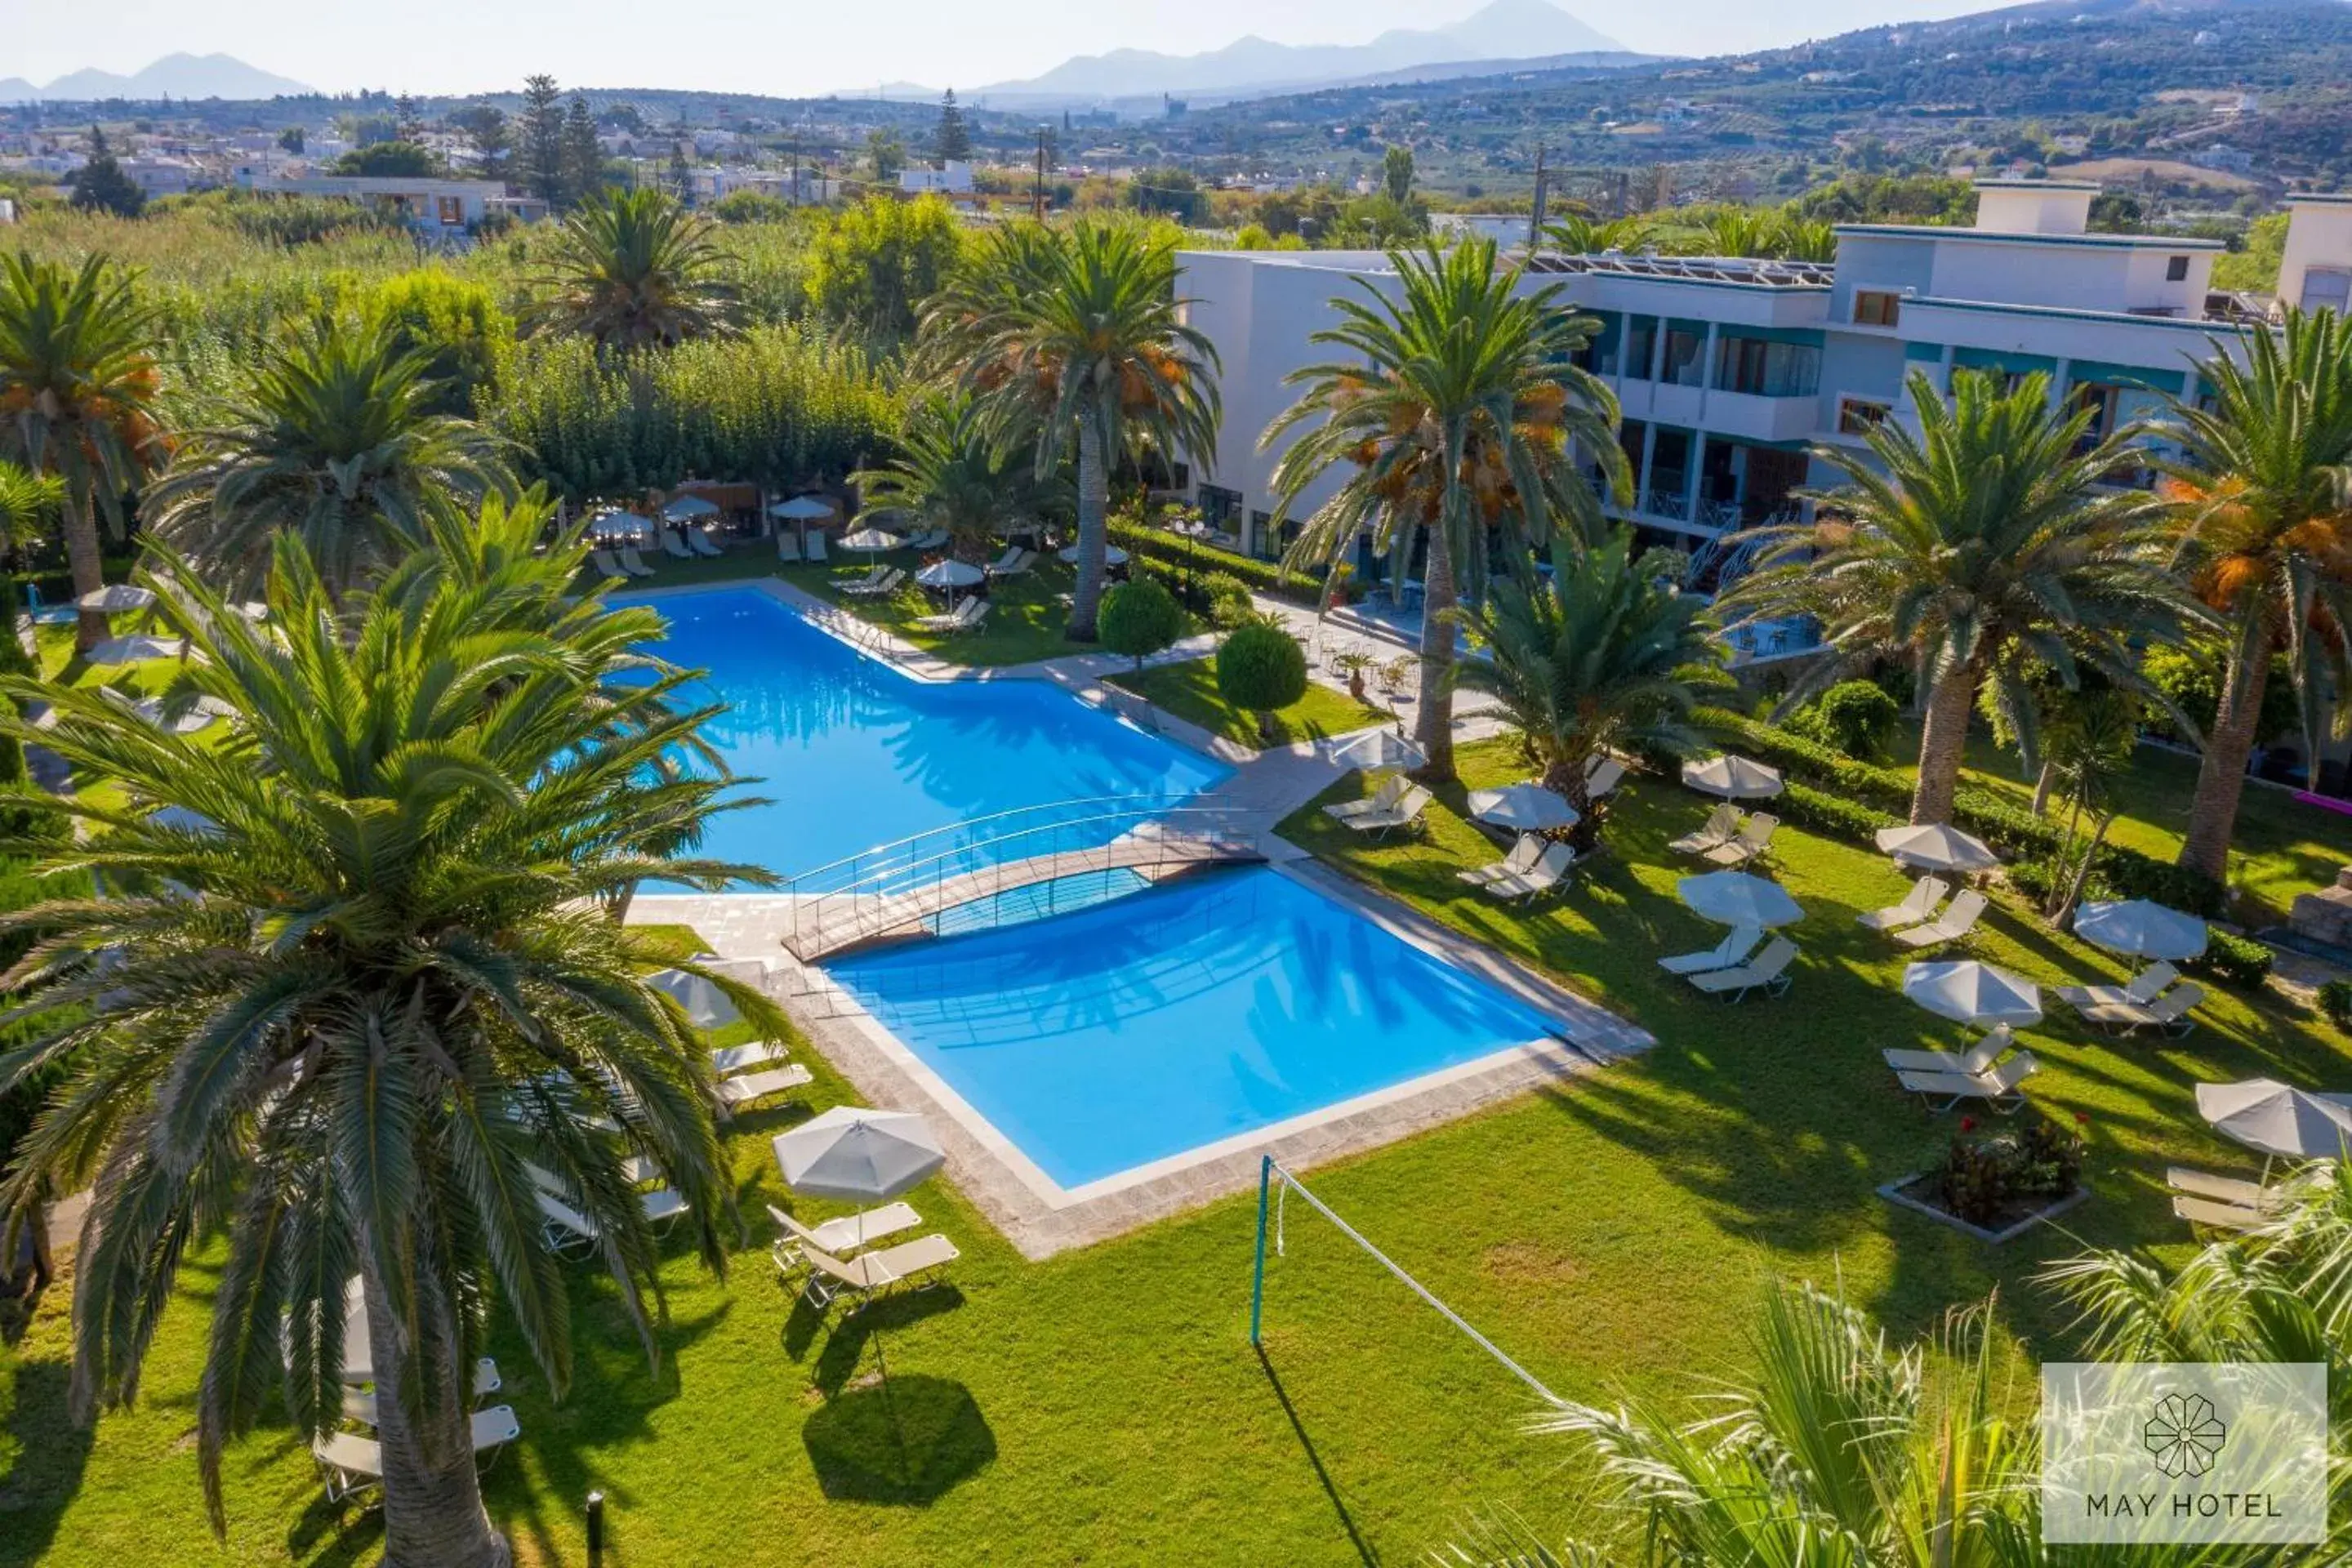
[(2318, 198), (2020, 183), (2007, 237), (1736, 271)]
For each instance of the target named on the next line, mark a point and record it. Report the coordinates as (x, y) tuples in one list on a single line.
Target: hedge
[(1169, 550), (1992, 818)]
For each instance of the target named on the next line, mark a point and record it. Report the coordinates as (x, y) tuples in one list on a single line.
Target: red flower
[(1967, 1124), (2082, 1119)]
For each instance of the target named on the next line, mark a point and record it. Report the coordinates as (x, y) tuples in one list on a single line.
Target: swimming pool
[(855, 753), (1107, 1039)]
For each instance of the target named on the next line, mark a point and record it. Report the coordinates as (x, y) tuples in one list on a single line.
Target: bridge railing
[(921, 876)]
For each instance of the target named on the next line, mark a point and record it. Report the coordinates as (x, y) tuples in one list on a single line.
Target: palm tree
[(335, 439), (634, 270), (27, 501), (1581, 234), (357, 985), (1075, 338), (1459, 418), (1986, 541), (78, 382), (1600, 656), (1841, 1451), (951, 473), (2261, 492)]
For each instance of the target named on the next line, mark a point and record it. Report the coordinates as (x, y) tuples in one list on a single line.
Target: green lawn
[(1105, 1406), (1188, 690)]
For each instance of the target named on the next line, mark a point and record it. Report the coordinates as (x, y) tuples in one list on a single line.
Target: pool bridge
[(1011, 866)]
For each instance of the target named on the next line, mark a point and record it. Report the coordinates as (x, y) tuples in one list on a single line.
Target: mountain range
[(173, 76), (1500, 35)]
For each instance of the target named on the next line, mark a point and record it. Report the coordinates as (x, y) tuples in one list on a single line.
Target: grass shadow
[(844, 1348), (904, 1441), (51, 1453)]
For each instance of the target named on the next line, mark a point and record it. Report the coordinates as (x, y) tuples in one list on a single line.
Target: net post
[(1257, 1271)]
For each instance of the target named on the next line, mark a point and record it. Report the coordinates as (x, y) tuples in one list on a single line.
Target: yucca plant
[(354, 979)]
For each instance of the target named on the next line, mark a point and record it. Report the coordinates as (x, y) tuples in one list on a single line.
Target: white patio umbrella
[(1737, 899), (253, 610), (1937, 848), (132, 651), (2142, 929), (1733, 778), (615, 523), (706, 1005), (802, 508), (858, 1153), (689, 509), (1968, 991), (1377, 749), (200, 715), (116, 598), (2264, 1114), (1112, 555), (1529, 807), (870, 539), (951, 574)]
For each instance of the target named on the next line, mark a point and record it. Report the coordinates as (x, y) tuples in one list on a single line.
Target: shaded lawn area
[(1104, 1406), (2280, 848), (1188, 690)]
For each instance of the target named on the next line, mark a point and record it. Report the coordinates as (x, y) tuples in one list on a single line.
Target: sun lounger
[(1405, 812), (353, 1463), (1392, 790), (1959, 919), (700, 543), (967, 615), (672, 545), (1754, 838), (788, 547), (1728, 954), (359, 1404), (2244, 1194), (1997, 1089), (729, 1059), (936, 539), (2216, 1217), (2168, 1013), (735, 1093), (1979, 1058), (816, 547), (1918, 908), (634, 564), (871, 1274), (607, 567), (879, 583), (1547, 873), (1767, 971), (2145, 987), (840, 1237), (1523, 856), (1601, 776), (1722, 824), (859, 584)]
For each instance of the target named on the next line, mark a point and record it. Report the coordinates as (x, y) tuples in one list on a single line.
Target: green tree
[(1396, 173), (2261, 493), (885, 155), (333, 439), (487, 132), (542, 140), (1458, 417), (100, 185), (77, 385), (396, 159), (634, 270), (383, 991), (583, 157), (1605, 656), (953, 142), (1260, 668), (456, 323), (291, 140), (1854, 718), (1989, 540), (1077, 341), (678, 179), (949, 472), (1141, 617)]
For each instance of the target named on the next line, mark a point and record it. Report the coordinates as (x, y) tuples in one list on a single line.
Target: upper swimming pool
[(1151, 1025), (855, 753)]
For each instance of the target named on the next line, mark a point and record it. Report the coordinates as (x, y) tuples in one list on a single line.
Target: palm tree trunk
[(2041, 791), (1941, 741), (1094, 508), (89, 574), (2221, 776), (1565, 778), (1435, 725), (433, 1513)]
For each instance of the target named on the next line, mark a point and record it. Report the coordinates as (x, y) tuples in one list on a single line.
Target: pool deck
[(1040, 1216)]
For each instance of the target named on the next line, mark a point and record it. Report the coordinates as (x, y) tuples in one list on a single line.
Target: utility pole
[(1536, 214), (1038, 197)]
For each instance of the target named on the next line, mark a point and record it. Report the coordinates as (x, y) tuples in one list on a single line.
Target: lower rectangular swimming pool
[(1165, 1021)]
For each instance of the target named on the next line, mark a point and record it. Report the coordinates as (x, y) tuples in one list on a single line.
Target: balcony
[(1741, 416)]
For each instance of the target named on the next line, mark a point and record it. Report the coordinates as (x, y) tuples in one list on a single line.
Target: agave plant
[(634, 270), (355, 992)]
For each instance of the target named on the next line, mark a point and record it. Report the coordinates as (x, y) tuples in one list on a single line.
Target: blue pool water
[(855, 753), (1102, 1041)]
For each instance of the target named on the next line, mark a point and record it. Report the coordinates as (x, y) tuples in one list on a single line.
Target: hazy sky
[(797, 46)]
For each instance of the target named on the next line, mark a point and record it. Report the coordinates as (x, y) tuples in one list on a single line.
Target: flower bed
[(1997, 1186)]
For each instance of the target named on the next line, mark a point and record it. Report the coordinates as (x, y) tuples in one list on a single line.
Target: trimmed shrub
[(1168, 550), (2336, 1003), (1226, 600), (1261, 668), (2233, 959), (1138, 618), (1987, 1179), (1854, 718)]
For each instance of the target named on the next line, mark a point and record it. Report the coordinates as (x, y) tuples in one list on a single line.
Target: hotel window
[(453, 211), (2327, 288), (2176, 270), (1861, 416), (1218, 506), (1876, 308), (1641, 345), (1766, 369), (1686, 351)]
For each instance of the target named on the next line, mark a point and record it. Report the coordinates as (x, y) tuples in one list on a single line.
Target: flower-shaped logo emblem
[(2184, 1434)]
